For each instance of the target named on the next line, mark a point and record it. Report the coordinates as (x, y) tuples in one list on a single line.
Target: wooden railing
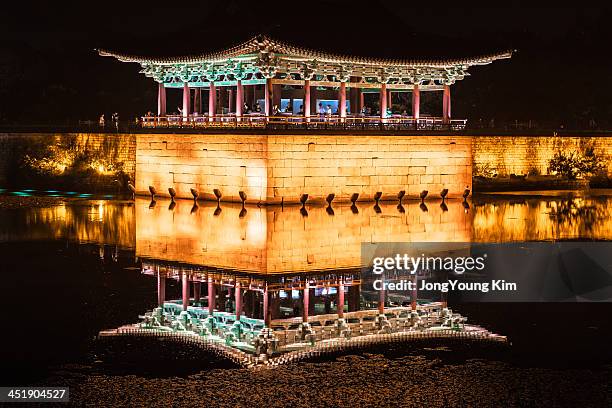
[(288, 121)]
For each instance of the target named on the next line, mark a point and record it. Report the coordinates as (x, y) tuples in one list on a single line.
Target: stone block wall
[(280, 168), (506, 155)]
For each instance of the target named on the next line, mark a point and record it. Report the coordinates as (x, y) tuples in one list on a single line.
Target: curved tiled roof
[(260, 42)]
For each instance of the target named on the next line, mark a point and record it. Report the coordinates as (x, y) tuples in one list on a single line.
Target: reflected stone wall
[(280, 168), (98, 222), (274, 239), (506, 155)]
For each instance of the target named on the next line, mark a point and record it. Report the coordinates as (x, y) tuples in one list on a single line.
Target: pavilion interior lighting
[(218, 194), (377, 196), (423, 195), (194, 193), (444, 193), (466, 194), (153, 192), (400, 196), (172, 193), (354, 198)]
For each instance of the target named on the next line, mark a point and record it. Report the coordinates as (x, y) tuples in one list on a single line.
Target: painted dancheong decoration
[(246, 85)]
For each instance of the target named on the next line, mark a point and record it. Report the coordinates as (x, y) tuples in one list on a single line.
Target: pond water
[(74, 268)]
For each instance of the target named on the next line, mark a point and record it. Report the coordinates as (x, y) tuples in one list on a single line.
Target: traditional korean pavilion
[(264, 80)]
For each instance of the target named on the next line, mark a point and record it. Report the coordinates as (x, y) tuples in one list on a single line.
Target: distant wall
[(506, 155), (274, 168), (88, 160)]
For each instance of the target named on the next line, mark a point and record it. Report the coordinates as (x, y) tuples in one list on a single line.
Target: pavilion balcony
[(288, 121)]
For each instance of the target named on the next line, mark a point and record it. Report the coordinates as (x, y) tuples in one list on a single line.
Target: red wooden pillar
[(416, 102), (211, 296), (238, 296), (340, 306), (186, 98), (266, 307), (212, 101), (342, 99), (446, 105), (383, 101), (161, 100), (381, 301), (185, 291), (307, 100), (161, 289), (361, 100), (239, 99), (306, 305)]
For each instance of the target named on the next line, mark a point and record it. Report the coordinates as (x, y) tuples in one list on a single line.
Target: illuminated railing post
[(211, 296), (307, 100), (185, 291), (340, 306), (238, 296), (446, 105), (416, 102), (212, 101), (342, 101), (161, 100), (383, 100), (185, 100)]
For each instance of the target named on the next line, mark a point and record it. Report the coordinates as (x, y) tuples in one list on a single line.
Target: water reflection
[(99, 221), (311, 238)]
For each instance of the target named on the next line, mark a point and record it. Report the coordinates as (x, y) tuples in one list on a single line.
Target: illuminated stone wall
[(275, 168), (506, 155), (271, 239), (84, 158)]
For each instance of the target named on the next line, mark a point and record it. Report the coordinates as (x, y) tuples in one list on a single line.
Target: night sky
[(49, 71)]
